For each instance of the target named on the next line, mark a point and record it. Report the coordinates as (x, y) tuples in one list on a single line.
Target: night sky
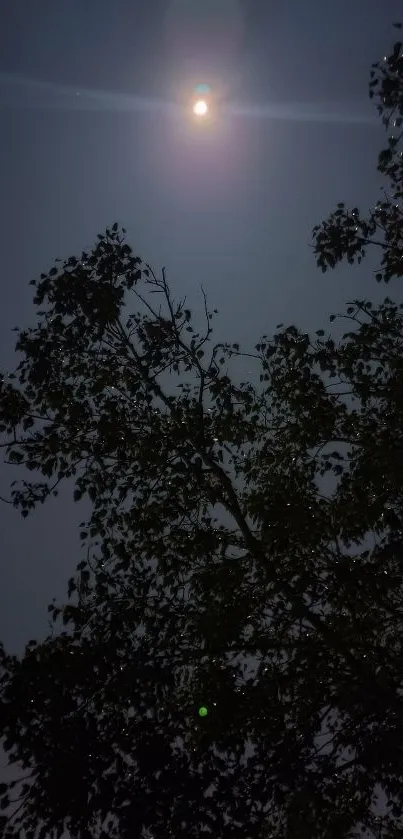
[(94, 129)]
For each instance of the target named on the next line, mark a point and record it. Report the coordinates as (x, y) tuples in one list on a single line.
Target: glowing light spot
[(200, 108), (203, 711)]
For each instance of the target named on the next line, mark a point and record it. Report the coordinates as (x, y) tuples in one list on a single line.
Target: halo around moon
[(199, 28)]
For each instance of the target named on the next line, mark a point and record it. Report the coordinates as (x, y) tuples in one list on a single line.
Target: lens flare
[(202, 89)]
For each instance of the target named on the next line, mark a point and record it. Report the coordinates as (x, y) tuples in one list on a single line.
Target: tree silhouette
[(243, 554)]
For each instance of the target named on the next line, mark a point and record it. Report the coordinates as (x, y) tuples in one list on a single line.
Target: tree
[(243, 553), (346, 234)]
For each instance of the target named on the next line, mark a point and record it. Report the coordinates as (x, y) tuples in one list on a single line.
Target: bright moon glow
[(200, 108)]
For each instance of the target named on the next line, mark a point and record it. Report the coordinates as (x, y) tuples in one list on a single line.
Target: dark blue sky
[(83, 144)]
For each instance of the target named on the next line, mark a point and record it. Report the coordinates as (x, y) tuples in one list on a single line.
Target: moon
[(200, 108)]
